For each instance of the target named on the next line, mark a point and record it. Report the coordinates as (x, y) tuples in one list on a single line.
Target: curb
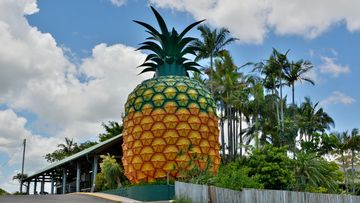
[(115, 198)]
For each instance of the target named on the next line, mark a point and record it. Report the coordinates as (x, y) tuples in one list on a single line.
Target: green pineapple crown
[(169, 51)]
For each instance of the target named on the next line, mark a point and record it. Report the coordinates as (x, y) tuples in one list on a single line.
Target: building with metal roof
[(75, 173)]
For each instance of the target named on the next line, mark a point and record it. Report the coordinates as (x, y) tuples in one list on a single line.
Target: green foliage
[(19, 177), (67, 149), (111, 171), (272, 167), (70, 147), (234, 176), (315, 174), (100, 183), (112, 129), (182, 199), (3, 192)]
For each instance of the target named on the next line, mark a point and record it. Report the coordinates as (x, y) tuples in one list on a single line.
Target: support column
[(64, 181), (52, 183), (78, 172), (42, 189), (95, 167), (35, 186), (28, 188)]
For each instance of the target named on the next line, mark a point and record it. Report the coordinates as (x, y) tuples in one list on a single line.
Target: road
[(69, 198)]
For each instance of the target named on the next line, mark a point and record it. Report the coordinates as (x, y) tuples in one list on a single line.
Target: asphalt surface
[(69, 198)]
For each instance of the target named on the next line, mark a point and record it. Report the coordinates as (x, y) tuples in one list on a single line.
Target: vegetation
[(265, 139), (20, 176), (3, 192), (111, 175), (70, 147)]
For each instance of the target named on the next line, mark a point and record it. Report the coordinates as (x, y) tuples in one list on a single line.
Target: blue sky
[(51, 48)]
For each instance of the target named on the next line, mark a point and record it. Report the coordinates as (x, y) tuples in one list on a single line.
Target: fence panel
[(206, 194)]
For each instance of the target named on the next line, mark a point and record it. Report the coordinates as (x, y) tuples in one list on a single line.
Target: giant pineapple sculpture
[(170, 122)]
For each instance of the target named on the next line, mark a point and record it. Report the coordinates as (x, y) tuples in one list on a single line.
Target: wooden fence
[(206, 194)]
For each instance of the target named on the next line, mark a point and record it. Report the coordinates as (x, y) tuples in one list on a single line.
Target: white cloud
[(118, 3), (246, 19), (250, 20), (37, 77), (13, 132), (330, 67), (337, 98)]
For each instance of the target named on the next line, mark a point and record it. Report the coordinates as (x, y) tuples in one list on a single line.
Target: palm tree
[(226, 80), (69, 146), (20, 177), (341, 148), (212, 44), (112, 129), (256, 105), (354, 145), (316, 172), (295, 72), (273, 71), (313, 119)]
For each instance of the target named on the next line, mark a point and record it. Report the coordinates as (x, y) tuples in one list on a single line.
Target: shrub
[(271, 167)]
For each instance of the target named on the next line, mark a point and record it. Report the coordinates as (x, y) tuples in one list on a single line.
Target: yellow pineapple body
[(169, 120)]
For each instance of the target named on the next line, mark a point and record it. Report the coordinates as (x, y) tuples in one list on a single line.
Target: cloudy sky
[(66, 66)]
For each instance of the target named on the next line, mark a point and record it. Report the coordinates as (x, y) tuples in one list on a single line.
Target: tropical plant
[(3, 192), (111, 171), (296, 72), (314, 172), (167, 113), (312, 119), (67, 149), (354, 146), (112, 129), (20, 177), (271, 167), (341, 153), (212, 45)]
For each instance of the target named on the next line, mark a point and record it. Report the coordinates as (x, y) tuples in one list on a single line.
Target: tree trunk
[(281, 106), (256, 132), (344, 169), (293, 93), (241, 138), (353, 171)]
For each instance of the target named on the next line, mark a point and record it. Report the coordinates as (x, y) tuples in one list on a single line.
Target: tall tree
[(313, 119), (69, 146), (212, 44), (353, 145), (20, 177), (112, 129), (341, 150), (295, 72)]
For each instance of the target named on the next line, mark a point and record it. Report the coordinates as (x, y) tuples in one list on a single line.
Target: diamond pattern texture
[(168, 120)]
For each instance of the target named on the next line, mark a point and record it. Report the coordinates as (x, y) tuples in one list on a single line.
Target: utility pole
[(22, 167)]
